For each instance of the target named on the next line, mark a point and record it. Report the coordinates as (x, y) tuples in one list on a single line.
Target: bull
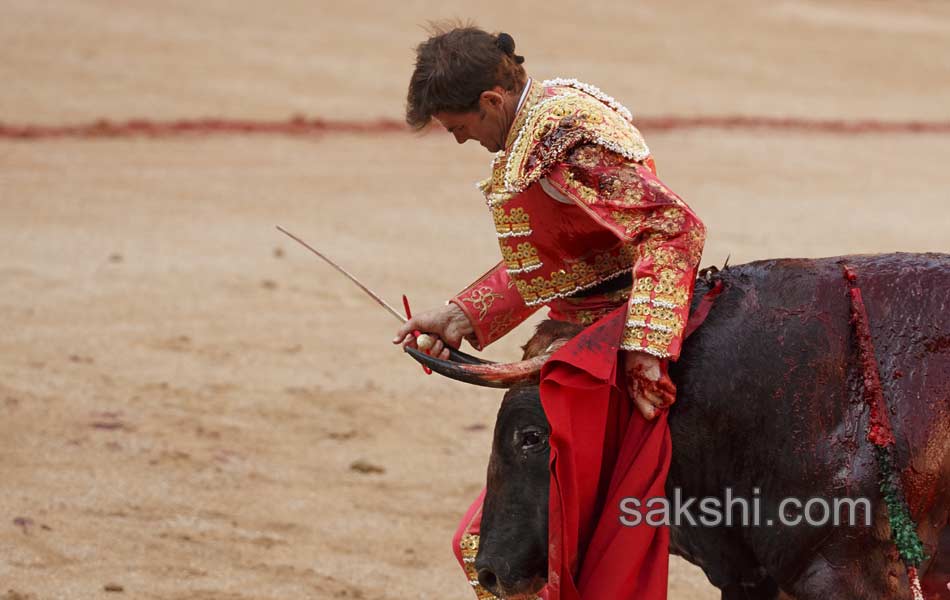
[(769, 404)]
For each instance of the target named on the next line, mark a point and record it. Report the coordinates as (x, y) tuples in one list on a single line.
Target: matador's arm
[(626, 197), (493, 306)]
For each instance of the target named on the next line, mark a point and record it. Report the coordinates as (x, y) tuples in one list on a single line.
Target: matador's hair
[(454, 66)]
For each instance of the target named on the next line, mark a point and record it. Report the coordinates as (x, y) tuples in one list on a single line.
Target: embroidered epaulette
[(568, 114)]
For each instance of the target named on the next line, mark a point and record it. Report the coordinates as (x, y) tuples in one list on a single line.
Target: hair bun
[(506, 44)]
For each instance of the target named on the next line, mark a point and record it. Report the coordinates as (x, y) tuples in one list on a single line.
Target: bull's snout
[(487, 578), (487, 574), (496, 576)]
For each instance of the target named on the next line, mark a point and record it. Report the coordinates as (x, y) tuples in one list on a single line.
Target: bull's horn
[(460, 357), (496, 375)]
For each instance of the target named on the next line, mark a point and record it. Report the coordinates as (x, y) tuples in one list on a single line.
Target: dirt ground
[(194, 408)]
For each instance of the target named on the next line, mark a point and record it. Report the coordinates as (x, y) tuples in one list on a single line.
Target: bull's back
[(907, 297), (771, 388), (789, 320)]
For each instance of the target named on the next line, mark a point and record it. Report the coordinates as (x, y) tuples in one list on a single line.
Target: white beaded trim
[(510, 234), (525, 269), (660, 303), (493, 197), (648, 350), (498, 199), (653, 326), (577, 289), (594, 91), (524, 127), (587, 88), (591, 90), (613, 147)]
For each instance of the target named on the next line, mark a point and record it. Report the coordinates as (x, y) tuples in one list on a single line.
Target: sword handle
[(415, 332)]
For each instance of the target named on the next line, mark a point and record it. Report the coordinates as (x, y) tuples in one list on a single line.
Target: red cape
[(602, 451)]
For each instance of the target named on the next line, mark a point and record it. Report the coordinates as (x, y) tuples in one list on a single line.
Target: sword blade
[(347, 274)]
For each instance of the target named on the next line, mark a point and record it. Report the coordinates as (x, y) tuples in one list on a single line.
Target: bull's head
[(513, 547)]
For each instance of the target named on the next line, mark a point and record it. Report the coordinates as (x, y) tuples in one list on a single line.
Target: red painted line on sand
[(301, 126)]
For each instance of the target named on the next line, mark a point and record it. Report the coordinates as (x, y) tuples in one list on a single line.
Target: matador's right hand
[(447, 324)]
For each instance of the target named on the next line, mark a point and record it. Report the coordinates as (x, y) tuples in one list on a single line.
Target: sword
[(349, 276), (455, 355)]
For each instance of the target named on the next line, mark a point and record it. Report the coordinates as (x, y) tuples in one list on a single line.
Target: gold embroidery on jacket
[(558, 123), (501, 324), (667, 220), (482, 299), (658, 342), (582, 274), (520, 259), (661, 317), (591, 134), (657, 313), (582, 191), (515, 223), (599, 176)]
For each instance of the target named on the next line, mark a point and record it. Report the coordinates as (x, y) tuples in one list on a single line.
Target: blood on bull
[(774, 399)]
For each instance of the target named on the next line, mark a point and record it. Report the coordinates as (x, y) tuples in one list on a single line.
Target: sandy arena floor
[(184, 394)]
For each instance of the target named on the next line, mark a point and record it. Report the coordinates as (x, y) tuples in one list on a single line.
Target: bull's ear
[(496, 375)]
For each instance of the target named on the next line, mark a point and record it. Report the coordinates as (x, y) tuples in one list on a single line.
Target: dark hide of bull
[(770, 405), (520, 445)]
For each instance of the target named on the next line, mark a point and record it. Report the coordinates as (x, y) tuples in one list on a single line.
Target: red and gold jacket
[(576, 204)]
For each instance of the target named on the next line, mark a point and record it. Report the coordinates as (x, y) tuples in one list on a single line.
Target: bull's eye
[(532, 438)]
